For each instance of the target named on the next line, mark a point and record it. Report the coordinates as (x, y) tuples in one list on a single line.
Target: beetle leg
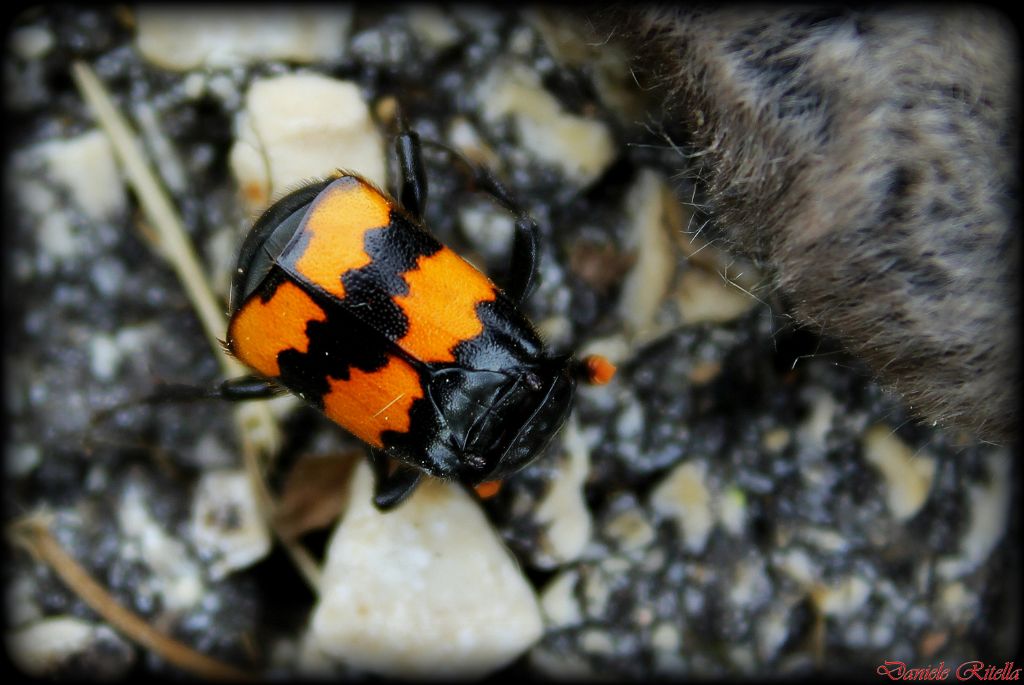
[(233, 390), (391, 488), (522, 271), (412, 191), (246, 388)]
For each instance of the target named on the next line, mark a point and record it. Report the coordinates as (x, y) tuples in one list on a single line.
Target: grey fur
[(870, 158)]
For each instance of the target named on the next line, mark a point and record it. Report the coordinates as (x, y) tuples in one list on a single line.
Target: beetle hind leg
[(391, 488)]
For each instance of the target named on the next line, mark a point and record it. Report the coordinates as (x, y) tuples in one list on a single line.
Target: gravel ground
[(741, 499)]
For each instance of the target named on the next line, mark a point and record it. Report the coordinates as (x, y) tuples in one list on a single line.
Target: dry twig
[(259, 432), (33, 533)]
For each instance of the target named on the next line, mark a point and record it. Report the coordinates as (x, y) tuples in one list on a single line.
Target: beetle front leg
[(391, 488), (523, 268), (412, 190), (522, 273)]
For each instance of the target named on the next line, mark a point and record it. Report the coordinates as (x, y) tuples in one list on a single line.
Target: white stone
[(597, 641), (215, 37), (558, 600), (842, 598), (776, 440), (684, 496), (956, 603), (559, 666), (773, 628), (666, 637), (175, 573), (555, 331), (825, 539), (226, 522), (425, 590), (20, 602), (582, 148), (432, 27), (731, 510), (301, 127), (464, 137), (815, 428), (104, 356), (194, 85), (488, 226), (31, 42), (707, 297), (749, 583), (21, 459), (989, 509), (563, 511), (796, 564), (86, 167), (648, 280), (988, 512), (630, 422), (57, 238), (630, 529), (35, 196), (907, 474), (108, 352), (43, 646)]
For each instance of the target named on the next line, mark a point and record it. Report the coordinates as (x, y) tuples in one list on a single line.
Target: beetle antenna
[(594, 369)]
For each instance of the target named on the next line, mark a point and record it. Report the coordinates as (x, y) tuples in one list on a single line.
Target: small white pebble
[(708, 297), (842, 598), (630, 529), (402, 597), (226, 522), (22, 459), (558, 600), (648, 280), (219, 37), (86, 166), (582, 148), (104, 356), (31, 42), (194, 85), (433, 27), (907, 474), (684, 496), (563, 511), (303, 126)]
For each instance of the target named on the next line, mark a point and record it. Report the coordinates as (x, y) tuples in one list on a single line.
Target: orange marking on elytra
[(336, 227), (444, 290), (261, 330), (369, 403)]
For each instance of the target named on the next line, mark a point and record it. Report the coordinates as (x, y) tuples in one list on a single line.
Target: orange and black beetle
[(343, 297)]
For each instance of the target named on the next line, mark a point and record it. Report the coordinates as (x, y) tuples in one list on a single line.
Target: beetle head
[(498, 421)]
